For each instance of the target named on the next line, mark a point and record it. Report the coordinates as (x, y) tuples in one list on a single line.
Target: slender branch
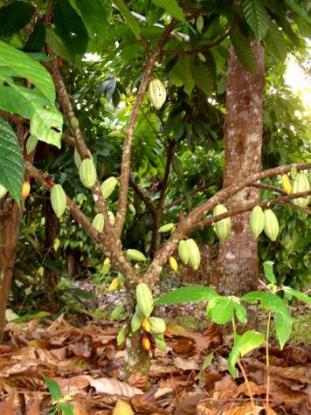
[(187, 224), (116, 256), (129, 133), (169, 157), (200, 49), (142, 195)]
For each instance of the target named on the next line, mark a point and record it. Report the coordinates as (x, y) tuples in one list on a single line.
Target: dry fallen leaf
[(114, 387)]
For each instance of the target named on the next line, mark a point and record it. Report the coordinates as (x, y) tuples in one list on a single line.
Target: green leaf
[(220, 309), (129, 18), (190, 294), (283, 327), (250, 340), (244, 51), (53, 388), (297, 294), (240, 312), (95, 15), (14, 17), (268, 270), (275, 42), (26, 67), (181, 74), (269, 301), (204, 75), (36, 40), (171, 7), (45, 121), (70, 28), (58, 46), (234, 356), (11, 161), (66, 409), (256, 17), (299, 10)]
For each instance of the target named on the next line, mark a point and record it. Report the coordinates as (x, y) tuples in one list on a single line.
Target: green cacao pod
[(168, 227), (87, 172), (135, 255), (160, 342), (121, 337), (99, 222), (301, 184), (194, 254), (3, 191), (199, 23), (137, 320), (108, 186), (271, 228), (183, 252), (157, 93), (111, 217), (257, 221), (157, 325), (222, 227), (31, 144), (77, 158), (144, 299), (58, 200)]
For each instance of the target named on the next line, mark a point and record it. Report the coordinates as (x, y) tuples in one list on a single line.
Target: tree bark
[(237, 262)]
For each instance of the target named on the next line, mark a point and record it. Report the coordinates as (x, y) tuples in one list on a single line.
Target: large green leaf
[(297, 294), (36, 40), (70, 27), (275, 42), (221, 309), (190, 294), (250, 340), (181, 74), (299, 10), (45, 121), (268, 270), (283, 327), (95, 15), (269, 301), (256, 17), (129, 18), (25, 67), (57, 45), (244, 51), (204, 75), (11, 161), (14, 17), (172, 7)]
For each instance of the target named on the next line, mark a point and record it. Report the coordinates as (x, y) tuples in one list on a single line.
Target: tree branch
[(142, 195), (129, 133)]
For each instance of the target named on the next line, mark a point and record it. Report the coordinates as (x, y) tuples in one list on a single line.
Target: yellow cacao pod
[(106, 266), (183, 252), (135, 255), (157, 93), (3, 191), (287, 186), (301, 184), (108, 186), (168, 227), (87, 172), (222, 227), (271, 227), (99, 222), (146, 325), (257, 221), (173, 264), (114, 285), (194, 254), (157, 325), (26, 190), (58, 200), (145, 342), (144, 299)]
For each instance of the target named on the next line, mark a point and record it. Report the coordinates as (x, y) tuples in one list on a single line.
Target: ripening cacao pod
[(222, 227), (168, 227), (287, 186), (173, 264), (87, 172), (31, 144), (271, 228), (106, 266), (144, 299), (114, 285), (157, 325), (137, 320), (145, 342), (25, 189), (194, 254), (301, 184), (58, 200), (146, 325), (257, 221), (157, 93), (135, 255), (183, 252), (108, 186), (3, 191), (99, 222)]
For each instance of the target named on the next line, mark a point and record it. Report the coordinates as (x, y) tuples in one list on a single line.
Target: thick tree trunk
[(237, 263), (10, 218)]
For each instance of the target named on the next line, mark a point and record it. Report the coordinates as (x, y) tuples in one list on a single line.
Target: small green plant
[(60, 403)]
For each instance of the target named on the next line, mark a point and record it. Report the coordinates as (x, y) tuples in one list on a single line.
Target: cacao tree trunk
[(10, 218), (237, 262)]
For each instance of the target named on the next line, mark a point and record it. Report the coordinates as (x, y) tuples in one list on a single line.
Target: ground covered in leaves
[(189, 378)]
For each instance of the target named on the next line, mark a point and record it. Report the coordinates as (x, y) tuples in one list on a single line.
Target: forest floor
[(96, 378)]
